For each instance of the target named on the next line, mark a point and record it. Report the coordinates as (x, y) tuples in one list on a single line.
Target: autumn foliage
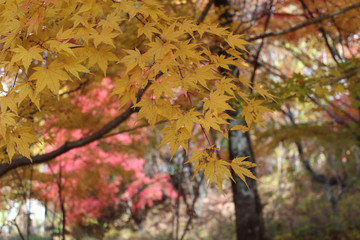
[(167, 74)]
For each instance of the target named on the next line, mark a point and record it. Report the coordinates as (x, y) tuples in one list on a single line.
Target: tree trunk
[(248, 212)]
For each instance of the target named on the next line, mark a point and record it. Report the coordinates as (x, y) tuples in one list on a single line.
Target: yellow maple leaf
[(111, 21), (73, 66), (6, 119), (241, 168), (220, 31), (158, 48), (226, 85), (27, 55), (106, 36), (148, 110), (61, 46), (176, 137), (236, 41), (171, 33), (222, 61), (27, 89), (201, 75), (187, 120), (210, 120), (242, 128), (215, 170), (253, 111), (153, 9), (216, 102), (186, 50), (49, 77), (148, 30), (101, 57), (8, 102), (163, 87), (264, 93), (133, 59), (22, 138)]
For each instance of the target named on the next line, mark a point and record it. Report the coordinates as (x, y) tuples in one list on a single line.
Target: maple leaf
[(27, 89), (148, 110), (226, 85), (210, 120), (35, 21), (6, 119), (185, 50), (73, 66), (67, 34), (101, 57), (164, 65), (8, 102), (26, 56), (187, 120), (129, 8), (23, 139), (148, 30), (49, 77), (10, 147), (264, 93), (242, 128), (202, 28), (112, 22), (217, 102), (19, 141), (164, 85), (170, 33), (60, 46), (201, 75), (176, 137), (241, 168), (187, 26), (236, 41), (222, 61), (245, 81), (215, 170), (201, 158), (106, 36), (80, 19), (153, 9), (133, 59), (253, 110), (167, 109), (220, 31), (158, 48)]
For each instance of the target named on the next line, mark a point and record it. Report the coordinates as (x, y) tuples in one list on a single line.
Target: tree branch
[(313, 21), (205, 12), (306, 163), (67, 146), (256, 60)]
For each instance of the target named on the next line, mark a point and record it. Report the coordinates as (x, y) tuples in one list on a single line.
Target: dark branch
[(313, 21), (205, 12), (306, 163)]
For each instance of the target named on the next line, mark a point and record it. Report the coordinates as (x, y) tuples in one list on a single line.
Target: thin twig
[(308, 23)]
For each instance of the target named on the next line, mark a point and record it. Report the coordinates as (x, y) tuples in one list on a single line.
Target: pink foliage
[(98, 176)]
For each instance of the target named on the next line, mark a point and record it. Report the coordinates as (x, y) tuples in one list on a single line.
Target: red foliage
[(101, 176)]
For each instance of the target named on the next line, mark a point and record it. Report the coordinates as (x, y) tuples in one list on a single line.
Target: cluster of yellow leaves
[(216, 170), (44, 44)]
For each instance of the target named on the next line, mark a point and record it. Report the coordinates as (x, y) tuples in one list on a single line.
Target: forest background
[(91, 89)]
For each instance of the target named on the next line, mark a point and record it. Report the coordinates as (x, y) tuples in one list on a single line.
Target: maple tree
[(48, 47)]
